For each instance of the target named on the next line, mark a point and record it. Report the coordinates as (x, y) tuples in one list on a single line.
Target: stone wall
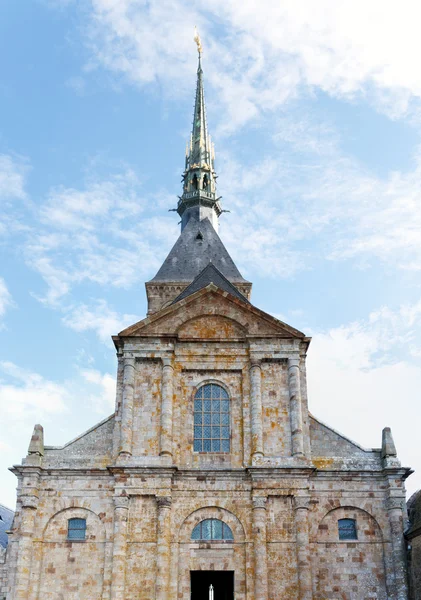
[(355, 567), (3, 574), (142, 488)]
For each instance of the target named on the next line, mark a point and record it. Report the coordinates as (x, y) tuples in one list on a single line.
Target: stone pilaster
[(121, 514), (305, 581), (394, 509), (260, 550), (163, 548), (256, 409), (127, 407), (167, 408), (295, 407), (29, 505)]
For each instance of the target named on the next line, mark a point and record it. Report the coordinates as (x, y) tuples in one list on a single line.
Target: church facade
[(212, 479)]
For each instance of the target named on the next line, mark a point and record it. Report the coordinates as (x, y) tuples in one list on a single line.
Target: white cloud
[(288, 215), (105, 398), (12, 178), (97, 234), (26, 393), (65, 409), (364, 374), (6, 300), (72, 209), (266, 52), (100, 318)]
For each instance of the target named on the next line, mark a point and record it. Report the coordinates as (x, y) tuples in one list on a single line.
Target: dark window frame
[(347, 529), (76, 529)]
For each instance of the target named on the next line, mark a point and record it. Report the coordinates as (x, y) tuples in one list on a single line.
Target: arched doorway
[(213, 553)]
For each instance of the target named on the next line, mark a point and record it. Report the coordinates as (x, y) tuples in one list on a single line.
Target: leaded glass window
[(211, 419), (347, 529), (76, 529), (212, 529)]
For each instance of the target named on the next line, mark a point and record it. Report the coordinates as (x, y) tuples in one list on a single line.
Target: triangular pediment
[(211, 313)]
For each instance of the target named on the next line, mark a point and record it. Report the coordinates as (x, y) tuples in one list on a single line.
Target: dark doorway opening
[(222, 581)]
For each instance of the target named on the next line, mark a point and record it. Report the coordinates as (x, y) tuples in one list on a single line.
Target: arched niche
[(368, 530), (218, 555), (85, 578), (356, 568)]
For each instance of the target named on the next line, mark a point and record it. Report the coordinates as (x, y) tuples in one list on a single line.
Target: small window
[(212, 529), (76, 529), (347, 529)]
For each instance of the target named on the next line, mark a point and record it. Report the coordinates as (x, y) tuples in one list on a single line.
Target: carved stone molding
[(163, 501), (167, 362), (293, 362), (301, 502), (29, 502), (259, 502), (394, 503), (121, 502)]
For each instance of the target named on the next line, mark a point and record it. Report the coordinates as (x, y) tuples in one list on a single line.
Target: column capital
[(121, 502), (293, 361), (167, 362), (301, 502), (163, 501), (259, 502), (129, 361), (29, 501), (395, 502), (255, 362)]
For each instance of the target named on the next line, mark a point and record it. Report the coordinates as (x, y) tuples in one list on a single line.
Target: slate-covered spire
[(199, 178)]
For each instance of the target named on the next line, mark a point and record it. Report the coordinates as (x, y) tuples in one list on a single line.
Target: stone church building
[(212, 480)]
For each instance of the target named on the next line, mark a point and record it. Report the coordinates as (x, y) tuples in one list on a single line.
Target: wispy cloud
[(290, 214), (99, 318), (26, 398), (97, 234), (368, 372), (6, 300), (267, 53), (12, 178), (26, 392)]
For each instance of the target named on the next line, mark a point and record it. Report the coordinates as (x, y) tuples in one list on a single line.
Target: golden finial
[(197, 40)]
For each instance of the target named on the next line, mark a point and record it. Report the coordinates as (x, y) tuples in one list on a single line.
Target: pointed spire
[(388, 445), (199, 178), (36, 445)]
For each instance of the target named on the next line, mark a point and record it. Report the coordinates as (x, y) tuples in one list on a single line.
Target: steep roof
[(197, 246), (210, 274), (6, 520)]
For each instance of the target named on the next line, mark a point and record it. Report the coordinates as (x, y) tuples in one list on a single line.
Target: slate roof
[(197, 246), (6, 520), (210, 274)]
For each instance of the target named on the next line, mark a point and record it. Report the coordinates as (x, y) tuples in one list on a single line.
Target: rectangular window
[(76, 529), (347, 529)]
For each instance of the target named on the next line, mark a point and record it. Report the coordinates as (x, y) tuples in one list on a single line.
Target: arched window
[(211, 419), (347, 529), (212, 529), (76, 529)]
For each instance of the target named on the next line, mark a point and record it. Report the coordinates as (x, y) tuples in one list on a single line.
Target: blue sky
[(315, 113)]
